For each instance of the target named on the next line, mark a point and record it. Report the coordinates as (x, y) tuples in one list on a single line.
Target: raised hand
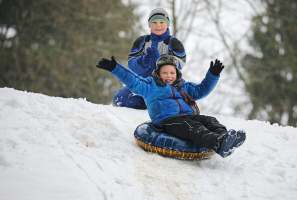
[(216, 68), (152, 55), (107, 64)]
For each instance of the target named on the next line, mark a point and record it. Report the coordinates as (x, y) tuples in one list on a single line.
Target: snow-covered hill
[(56, 148)]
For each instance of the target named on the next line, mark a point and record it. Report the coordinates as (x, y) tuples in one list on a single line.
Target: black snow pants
[(206, 131)]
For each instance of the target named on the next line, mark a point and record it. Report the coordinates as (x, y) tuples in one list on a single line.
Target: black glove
[(215, 69), (107, 64)]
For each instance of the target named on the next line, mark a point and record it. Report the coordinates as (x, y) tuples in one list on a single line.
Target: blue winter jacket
[(162, 99), (166, 45)]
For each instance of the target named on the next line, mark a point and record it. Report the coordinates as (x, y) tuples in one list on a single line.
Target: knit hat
[(158, 14), (167, 60)]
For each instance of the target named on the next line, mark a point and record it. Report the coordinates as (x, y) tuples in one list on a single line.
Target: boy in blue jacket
[(145, 52), (167, 98)]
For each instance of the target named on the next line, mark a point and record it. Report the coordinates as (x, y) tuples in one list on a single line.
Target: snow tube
[(155, 140)]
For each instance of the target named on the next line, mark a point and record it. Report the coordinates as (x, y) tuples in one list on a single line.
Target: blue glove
[(151, 56)]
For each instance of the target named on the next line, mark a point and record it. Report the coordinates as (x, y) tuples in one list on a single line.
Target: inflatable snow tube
[(149, 138)]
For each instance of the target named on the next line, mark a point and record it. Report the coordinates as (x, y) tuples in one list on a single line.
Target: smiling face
[(168, 74), (158, 27)]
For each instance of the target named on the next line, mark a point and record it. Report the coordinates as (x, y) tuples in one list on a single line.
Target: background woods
[(52, 47), (271, 69)]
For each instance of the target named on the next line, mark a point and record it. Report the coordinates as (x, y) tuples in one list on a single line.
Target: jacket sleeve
[(135, 83), (177, 49), (199, 91), (136, 55)]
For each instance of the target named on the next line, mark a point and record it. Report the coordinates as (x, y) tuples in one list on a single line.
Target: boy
[(145, 52), (168, 108)]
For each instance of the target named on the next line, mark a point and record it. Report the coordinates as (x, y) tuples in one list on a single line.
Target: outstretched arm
[(199, 91), (142, 59), (144, 65), (135, 83)]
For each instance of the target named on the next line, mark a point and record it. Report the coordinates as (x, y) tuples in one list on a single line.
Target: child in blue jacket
[(145, 52), (165, 95)]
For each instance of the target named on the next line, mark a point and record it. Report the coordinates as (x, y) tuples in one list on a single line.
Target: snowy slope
[(56, 148)]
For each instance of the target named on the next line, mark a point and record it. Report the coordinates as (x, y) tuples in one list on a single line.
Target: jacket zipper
[(177, 101)]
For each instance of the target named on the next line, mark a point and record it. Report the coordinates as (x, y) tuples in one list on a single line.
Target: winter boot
[(240, 138), (227, 143), (228, 146)]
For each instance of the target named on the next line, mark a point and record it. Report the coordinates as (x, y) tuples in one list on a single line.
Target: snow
[(57, 148)]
